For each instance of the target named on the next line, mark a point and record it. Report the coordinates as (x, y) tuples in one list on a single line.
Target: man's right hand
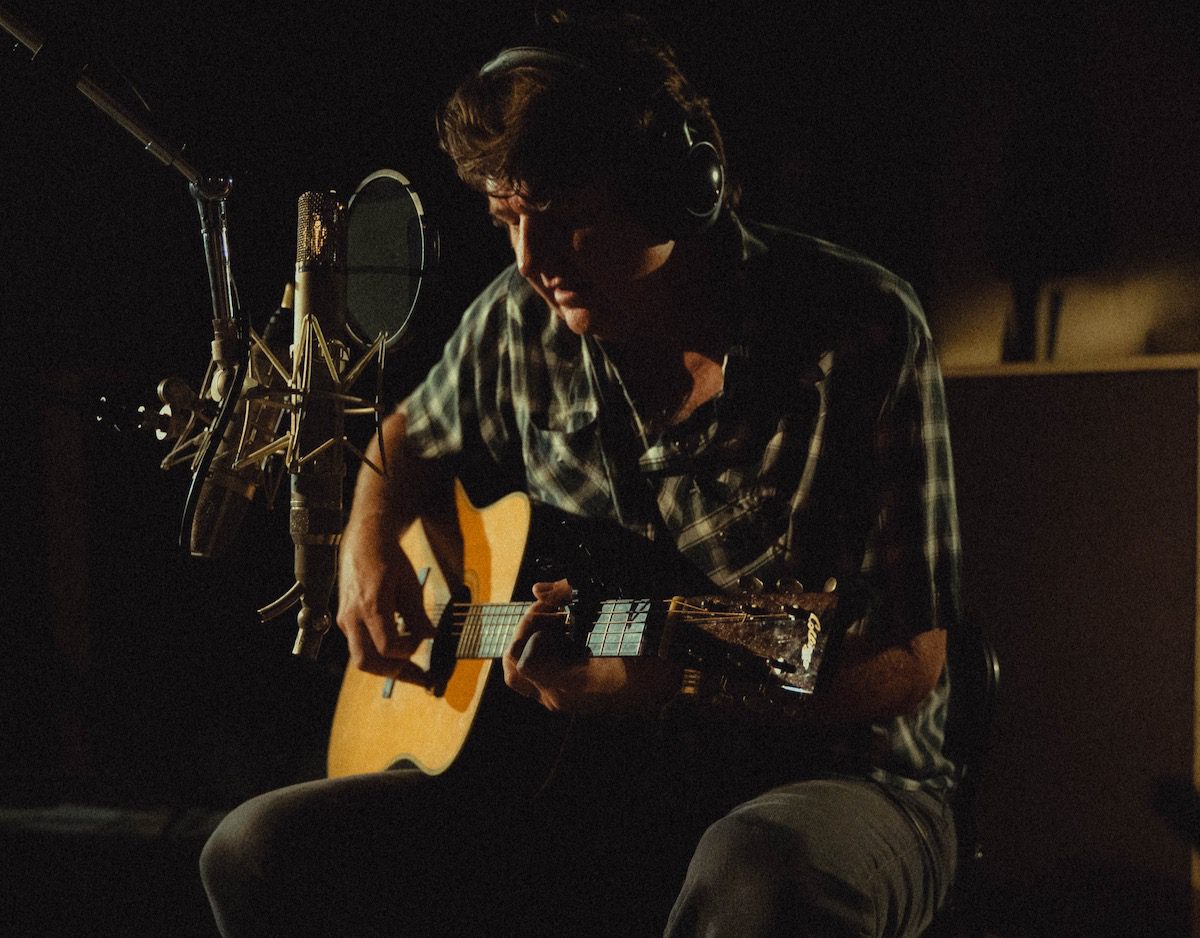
[(379, 599), (379, 605)]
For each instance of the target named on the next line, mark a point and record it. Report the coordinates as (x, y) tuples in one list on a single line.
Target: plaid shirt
[(826, 453)]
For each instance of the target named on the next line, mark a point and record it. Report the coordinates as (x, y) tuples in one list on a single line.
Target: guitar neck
[(772, 640), (621, 629)]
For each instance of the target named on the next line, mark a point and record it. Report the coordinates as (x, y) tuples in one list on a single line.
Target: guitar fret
[(487, 629), (619, 629), (496, 635)]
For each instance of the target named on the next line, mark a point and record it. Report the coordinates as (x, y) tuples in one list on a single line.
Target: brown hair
[(538, 126)]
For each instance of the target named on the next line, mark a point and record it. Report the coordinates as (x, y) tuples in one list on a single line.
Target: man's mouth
[(568, 296)]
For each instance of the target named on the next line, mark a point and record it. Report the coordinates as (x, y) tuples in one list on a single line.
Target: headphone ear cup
[(690, 188), (702, 184)]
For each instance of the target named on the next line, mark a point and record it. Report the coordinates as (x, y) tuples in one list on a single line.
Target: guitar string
[(518, 610), (477, 631), (473, 633), (470, 615), (475, 622)]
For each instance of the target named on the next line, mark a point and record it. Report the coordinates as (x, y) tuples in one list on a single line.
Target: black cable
[(217, 431)]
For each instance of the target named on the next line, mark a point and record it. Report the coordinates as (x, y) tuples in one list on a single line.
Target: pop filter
[(390, 247)]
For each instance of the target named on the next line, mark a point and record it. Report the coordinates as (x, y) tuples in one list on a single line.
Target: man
[(758, 403)]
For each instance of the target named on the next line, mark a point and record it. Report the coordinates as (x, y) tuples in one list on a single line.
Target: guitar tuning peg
[(789, 584), (830, 585), (750, 584)]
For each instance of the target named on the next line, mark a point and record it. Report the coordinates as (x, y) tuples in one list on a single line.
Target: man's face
[(585, 254)]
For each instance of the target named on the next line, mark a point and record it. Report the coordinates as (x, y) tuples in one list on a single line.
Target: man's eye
[(501, 223)]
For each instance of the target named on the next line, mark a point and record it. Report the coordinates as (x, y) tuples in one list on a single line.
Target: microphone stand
[(233, 339), (231, 327)]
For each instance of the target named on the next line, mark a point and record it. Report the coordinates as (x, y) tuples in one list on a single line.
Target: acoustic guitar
[(768, 646)]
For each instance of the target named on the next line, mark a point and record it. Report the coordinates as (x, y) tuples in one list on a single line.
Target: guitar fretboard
[(620, 629), (487, 629)]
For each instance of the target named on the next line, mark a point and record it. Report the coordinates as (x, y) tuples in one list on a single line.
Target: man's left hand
[(542, 664)]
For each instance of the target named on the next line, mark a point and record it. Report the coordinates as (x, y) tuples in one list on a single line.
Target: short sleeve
[(464, 405), (912, 557)]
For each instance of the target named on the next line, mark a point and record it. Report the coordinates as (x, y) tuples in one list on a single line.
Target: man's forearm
[(384, 506), (872, 683), (411, 487), (379, 499)]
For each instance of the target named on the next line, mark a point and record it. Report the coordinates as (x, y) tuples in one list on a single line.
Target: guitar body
[(381, 724), (476, 572)]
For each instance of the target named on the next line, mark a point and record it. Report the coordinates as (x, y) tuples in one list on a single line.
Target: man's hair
[(537, 126)]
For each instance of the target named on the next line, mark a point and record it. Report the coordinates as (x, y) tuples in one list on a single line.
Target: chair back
[(974, 688)]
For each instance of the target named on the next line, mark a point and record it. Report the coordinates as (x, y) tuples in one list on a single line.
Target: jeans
[(400, 853)]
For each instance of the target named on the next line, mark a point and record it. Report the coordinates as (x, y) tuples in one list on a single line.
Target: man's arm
[(376, 582), (871, 683), (541, 665)]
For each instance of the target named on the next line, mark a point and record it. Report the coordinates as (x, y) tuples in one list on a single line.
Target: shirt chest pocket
[(737, 539), (562, 456)]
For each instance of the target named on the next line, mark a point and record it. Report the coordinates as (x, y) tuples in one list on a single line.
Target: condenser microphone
[(318, 466), (233, 478)]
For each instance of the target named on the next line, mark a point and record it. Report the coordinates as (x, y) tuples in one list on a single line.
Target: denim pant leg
[(404, 854), (382, 854), (825, 857)]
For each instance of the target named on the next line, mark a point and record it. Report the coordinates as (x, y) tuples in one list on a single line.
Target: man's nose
[(532, 246)]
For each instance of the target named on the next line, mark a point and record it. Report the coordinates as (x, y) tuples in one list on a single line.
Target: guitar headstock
[(775, 641)]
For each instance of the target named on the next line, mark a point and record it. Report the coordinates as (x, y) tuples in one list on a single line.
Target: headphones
[(686, 176)]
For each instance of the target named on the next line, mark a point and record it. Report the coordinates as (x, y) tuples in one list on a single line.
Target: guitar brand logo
[(814, 630)]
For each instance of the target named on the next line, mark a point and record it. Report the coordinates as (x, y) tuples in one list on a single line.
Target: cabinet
[(1078, 504)]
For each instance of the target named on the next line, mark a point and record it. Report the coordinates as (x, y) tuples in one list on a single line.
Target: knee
[(751, 857), (254, 844), (232, 853), (752, 877), (251, 867)]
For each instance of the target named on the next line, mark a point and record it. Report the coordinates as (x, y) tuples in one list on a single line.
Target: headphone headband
[(518, 56), (689, 177)]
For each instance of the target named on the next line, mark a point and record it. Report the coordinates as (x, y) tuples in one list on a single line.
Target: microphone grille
[(320, 231)]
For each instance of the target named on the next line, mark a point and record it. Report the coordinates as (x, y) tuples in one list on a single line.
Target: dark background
[(948, 141)]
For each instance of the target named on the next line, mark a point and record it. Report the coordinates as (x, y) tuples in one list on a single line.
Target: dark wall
[(140, 672)]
